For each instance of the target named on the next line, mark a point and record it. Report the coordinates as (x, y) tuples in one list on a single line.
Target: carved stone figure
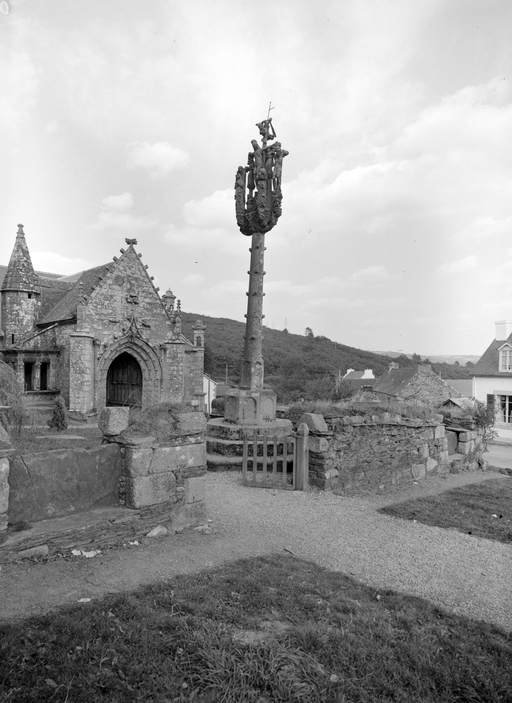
[(258, 209)]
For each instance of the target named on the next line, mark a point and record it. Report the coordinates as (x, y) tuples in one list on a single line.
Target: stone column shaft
[(252, 362)]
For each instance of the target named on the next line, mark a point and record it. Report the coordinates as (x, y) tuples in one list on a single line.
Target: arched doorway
[(124, 381)]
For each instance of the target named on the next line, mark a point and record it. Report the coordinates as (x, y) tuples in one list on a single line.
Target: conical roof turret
[(20, 274)]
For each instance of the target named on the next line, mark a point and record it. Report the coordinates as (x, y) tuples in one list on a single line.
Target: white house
[(492, 378), (210, 392)]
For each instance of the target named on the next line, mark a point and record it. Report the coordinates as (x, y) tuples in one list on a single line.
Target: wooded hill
[(296, 366)]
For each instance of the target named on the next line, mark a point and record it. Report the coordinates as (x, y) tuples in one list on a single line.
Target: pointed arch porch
[(149, 364)]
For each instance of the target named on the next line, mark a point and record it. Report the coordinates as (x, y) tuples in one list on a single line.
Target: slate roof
[(354, 375), (52, 286), (488, 364), (464, 386), (20, 274), (65, 309), (360, 382), (394, 380)]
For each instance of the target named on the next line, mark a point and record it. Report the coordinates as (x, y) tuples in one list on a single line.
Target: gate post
[(302, 458)]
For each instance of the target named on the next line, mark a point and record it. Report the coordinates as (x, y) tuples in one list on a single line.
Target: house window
[(506, 408), (506, 360)]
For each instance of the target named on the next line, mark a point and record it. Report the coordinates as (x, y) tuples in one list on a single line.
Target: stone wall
[(117, 491), (166, 469), (6, 451), (379, 451), (62, 482)]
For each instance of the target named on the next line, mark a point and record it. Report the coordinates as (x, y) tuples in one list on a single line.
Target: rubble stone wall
[(376, 452)]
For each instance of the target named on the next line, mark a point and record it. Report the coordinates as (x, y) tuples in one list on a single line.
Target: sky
[(127, 119)]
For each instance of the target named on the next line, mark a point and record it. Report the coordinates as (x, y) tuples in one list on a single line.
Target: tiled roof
[(65, 309), (488, 364), (394, 380)]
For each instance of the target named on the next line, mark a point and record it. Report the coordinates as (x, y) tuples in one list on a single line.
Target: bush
[(12, 396), (59, 418)]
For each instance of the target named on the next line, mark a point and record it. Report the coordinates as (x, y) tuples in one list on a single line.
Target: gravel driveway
[(464, 574)]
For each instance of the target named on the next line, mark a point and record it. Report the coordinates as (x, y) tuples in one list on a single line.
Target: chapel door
[(124, 381)]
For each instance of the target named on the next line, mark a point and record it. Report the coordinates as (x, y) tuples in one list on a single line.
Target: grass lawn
[(481, 509), (40, 438), (260, 630)]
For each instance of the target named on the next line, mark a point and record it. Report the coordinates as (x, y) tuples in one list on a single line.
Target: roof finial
[(20, 230)]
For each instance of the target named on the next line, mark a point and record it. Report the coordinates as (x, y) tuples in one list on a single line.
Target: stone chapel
[(101, 337)]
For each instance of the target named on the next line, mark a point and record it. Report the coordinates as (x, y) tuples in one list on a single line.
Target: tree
[(309, 333)]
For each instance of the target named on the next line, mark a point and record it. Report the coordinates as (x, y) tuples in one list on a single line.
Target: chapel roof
[(65, 309)]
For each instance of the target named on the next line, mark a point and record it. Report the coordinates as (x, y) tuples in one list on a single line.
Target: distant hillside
[(296, 366), (461, 359)]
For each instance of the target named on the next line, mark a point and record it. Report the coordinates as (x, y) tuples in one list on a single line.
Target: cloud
[(371, 274), (20, 87), (461, 266), (118, 202), (159, 158), (50, 262), (209, 222), (116, 215), (194, 279)]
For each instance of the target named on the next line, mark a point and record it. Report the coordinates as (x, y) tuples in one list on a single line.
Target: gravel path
[(464, 574)]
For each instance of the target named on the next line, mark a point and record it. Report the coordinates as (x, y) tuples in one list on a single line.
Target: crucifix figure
[(258, 206)]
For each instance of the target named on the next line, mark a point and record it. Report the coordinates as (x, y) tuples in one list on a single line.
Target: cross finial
[(270, 107)]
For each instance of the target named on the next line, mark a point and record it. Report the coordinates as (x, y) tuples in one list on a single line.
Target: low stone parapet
[(372, 452)]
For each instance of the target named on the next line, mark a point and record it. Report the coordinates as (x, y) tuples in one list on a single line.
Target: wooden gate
[(124, 381), (276, 462)]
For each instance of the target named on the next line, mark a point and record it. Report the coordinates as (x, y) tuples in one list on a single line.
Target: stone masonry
[(379, 451), (153, 480)]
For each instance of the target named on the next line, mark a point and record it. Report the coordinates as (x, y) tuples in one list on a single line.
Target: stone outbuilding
[(101, 337), (413, 385)]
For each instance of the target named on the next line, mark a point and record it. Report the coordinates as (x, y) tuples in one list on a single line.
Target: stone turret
[(21, 296)]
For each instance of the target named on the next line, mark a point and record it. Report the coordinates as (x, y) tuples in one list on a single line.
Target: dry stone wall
[(376, 452)]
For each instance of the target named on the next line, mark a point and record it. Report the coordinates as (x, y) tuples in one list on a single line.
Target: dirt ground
[(33, 587)]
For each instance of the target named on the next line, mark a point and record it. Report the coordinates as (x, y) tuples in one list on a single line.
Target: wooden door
[(124, 381)]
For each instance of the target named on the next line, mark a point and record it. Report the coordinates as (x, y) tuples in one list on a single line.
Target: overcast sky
[(123, 118)]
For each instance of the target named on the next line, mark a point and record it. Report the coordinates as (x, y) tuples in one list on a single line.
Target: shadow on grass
[(266, 629), (479, 509)]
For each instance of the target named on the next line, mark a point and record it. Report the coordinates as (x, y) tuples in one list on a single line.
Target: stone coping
[(384, 419)]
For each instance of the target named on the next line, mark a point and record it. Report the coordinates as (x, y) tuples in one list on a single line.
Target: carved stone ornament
[(258, 193)]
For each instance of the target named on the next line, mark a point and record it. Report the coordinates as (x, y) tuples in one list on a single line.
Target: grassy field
[(480, 509), (268, 629)]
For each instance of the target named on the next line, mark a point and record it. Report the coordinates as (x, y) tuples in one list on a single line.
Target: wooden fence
[(276, 462)]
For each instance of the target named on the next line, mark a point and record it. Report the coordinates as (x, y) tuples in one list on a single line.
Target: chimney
[(503, 330), (368, 373), (424, 368), (393, 365)]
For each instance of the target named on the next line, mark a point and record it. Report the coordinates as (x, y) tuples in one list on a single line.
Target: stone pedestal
[(250, 407), (224, 440)]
